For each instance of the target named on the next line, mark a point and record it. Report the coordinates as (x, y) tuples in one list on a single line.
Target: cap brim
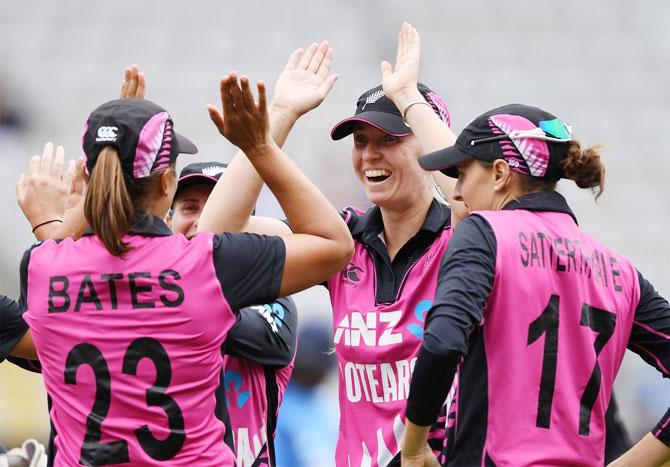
[(388, 123), (186, 146), (445, 160)]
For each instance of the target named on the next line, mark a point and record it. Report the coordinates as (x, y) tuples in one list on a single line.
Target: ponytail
[(584, 167), (108, 206)]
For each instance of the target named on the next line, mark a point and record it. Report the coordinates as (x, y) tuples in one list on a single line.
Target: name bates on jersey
[(376, 346)]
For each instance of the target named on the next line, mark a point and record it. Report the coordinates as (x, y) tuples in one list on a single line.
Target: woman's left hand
[(43, 194), (244, 122), (400, 84)]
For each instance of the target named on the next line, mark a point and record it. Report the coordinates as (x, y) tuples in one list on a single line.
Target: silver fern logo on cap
[(213, 170), (374, 97)]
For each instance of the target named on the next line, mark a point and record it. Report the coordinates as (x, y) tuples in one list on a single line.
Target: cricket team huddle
[(474, 322)]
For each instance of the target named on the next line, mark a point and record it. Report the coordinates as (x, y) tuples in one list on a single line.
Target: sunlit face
[(475, 186), (387, 167), (187, 207)]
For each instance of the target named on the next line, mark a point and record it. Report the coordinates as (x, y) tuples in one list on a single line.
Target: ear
[(168, 218), (502, 175), (166, 180)]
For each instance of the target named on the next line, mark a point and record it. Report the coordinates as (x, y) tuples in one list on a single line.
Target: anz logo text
[(372, 329)]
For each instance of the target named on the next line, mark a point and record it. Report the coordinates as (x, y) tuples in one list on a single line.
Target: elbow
[(345, 251)]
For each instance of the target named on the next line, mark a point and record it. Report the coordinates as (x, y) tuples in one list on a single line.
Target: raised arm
[(400, 85), (321, 244), (44, 192), (301, 87)]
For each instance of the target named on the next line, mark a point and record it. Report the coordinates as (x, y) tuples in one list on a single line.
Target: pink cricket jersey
[(376, 347), (253, 393), (555, 331), (131, 349)]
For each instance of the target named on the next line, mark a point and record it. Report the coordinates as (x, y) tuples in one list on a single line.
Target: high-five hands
[(134, 83), (44, 193), (400, 83), (244, 122), (305, 80)]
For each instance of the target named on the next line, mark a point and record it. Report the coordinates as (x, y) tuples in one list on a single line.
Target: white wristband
[(404, 112)]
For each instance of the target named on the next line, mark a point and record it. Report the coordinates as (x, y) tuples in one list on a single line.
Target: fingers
[(57, 167), (327, 84), (34, 166), (134, 83), (294, 59), (124, 84), (47, 153), (236, 92), (247, 95), (131, 88), (216, 116), (327, 61), (71, 170), (262, 97), (226, 98), (20, 187), (141, 86), (387, 69), (318, 57), (307, 56)]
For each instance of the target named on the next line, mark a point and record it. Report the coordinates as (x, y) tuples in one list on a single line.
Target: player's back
[(554, 334), (130, 349)]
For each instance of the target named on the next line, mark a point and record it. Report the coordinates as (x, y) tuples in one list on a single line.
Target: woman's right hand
[(305, 81), (243, 122), (400, 83)]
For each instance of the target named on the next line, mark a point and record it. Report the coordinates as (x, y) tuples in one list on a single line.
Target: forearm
[(240, 185), (426, 125), (413, 440), (650, 451), (307, 209)]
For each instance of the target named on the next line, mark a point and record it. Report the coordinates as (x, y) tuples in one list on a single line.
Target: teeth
[(377, 173)]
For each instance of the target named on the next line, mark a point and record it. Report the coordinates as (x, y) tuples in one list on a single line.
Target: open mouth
[(377, 176)]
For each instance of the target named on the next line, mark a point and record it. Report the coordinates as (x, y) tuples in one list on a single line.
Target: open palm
[(305, 81)]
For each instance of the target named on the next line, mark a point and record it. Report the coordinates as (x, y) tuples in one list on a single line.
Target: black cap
[(374, 108), (141, 131), (200, 173), (531, 140)]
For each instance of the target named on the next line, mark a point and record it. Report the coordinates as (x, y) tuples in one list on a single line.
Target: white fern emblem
[(213, 170), (374, 97)]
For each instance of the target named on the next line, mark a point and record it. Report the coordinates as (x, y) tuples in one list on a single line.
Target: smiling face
[(188, 205), (387, 168)]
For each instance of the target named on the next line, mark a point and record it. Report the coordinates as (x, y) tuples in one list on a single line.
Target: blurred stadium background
[(604, 66)]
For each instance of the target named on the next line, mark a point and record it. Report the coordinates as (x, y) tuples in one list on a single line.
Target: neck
[(400, 226)]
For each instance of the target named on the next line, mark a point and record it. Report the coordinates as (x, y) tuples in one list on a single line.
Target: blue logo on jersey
[(232, 382), (420, 313), (277, 312)]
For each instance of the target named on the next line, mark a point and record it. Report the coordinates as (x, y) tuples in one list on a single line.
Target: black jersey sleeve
[(12, 326), (464, 282), (249, 267), (650, 339), (265, 334)]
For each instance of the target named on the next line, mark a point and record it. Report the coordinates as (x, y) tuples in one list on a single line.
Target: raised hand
[(43, 194), (243, 122), (77, 173), (134, 84), (400, 83), (305, 81)]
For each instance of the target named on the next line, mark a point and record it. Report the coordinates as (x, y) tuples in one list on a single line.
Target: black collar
[(542, 201), (371, 223), (147, 225)]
